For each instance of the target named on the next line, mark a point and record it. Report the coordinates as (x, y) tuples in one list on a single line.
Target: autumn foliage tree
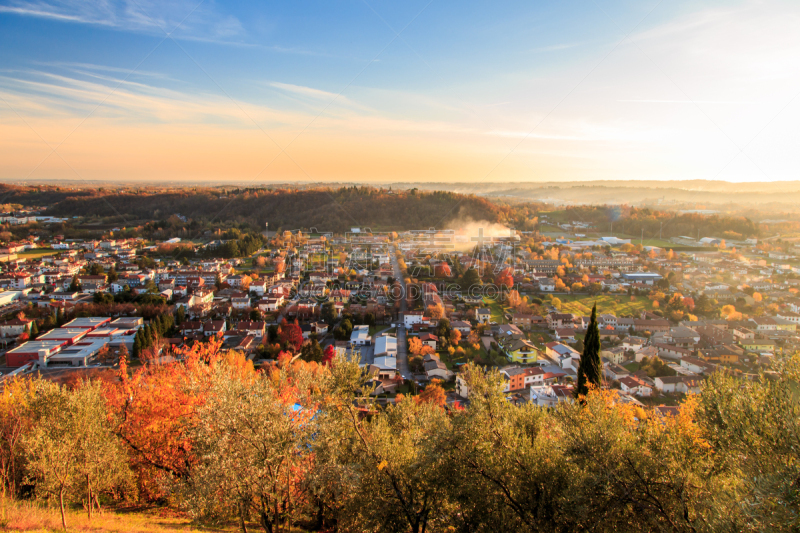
[(291, 335), (513, 299), (15, 421), (328, 355), (442, 270), (154, 408), (474, 337), (301, 446), (435, 311), (433, 394), (505, 278), (414, 345)]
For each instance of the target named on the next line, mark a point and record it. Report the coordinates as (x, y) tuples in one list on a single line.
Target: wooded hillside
[(325, 208)]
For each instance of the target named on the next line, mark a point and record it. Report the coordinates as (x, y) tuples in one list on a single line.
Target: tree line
[(322, 207), (303, 445), (634, 220)]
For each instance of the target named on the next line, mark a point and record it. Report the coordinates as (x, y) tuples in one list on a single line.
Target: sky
[(380, 91)]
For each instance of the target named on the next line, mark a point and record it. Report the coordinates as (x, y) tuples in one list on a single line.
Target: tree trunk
[(265, 523), (61, 505), (242, 523), (89, 501), (318, 516)]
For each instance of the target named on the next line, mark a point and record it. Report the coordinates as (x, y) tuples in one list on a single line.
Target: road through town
[(402, 353)]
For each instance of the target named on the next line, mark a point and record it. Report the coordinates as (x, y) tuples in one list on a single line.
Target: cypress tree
[(591, 368), (34, 329), (144, 338), (180, 315), (137, 344)]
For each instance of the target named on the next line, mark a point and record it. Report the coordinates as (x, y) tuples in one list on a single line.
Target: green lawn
[(37, 253), (632, 366), (637, 239), (469, 354), (539, 338), (615, 304), (553, 230), (498, 310), (656, 242), (380, 329)]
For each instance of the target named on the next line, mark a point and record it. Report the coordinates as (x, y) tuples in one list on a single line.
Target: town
[(415, 306)]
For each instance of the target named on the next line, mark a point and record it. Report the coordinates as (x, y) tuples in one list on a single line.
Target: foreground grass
[(33, 517)]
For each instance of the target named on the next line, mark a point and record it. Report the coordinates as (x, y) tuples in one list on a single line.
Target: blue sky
[(468, 91)]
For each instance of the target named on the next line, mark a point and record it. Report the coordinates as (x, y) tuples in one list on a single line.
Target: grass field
[(498, 310), (382, 328), (32, 517), (36, 253), (470, 353), (539, 338), (637, 239), (618, 305)]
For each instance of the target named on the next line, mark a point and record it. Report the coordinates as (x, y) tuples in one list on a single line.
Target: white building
[(386, 352), (360, 336), (412, 317), (547, 285)]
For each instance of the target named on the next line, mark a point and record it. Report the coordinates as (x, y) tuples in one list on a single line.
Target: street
[(402, 353)]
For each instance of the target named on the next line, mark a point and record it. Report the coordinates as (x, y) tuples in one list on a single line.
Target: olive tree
[(72, 451), (251, 442)]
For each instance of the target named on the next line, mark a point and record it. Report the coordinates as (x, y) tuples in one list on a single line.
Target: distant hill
[(324, 208), (761, 200), (338, 209)]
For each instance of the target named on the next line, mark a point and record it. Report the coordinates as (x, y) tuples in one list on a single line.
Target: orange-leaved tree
[(153, 407), (505, 278), (433, 394)]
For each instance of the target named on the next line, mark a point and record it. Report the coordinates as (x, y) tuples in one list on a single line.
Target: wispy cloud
[(42, 94), (93, 69), (304, 91), (183, 19), (555, 47), (719, 102)]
